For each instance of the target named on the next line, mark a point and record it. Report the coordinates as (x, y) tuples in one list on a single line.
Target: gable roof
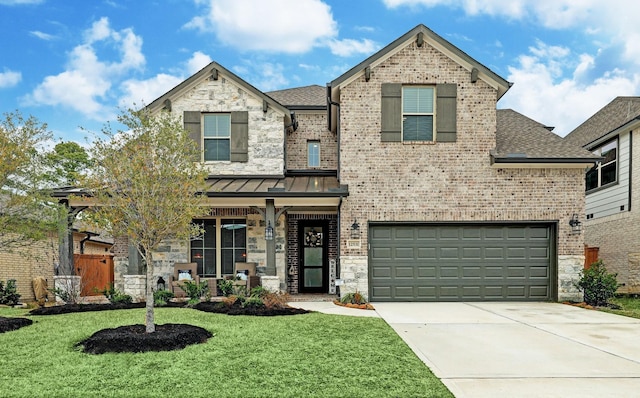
[(435, 41), (307, 97), (617, 114), (520, 139), (207, 72)]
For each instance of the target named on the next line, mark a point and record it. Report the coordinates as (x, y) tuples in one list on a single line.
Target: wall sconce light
[(355, 230), (161, 283), (268, 232), (576, 225)]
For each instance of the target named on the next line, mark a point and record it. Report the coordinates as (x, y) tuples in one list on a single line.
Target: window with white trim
[(222, 244), (605, 172), (217, 137), (313, 153), (418, 113)]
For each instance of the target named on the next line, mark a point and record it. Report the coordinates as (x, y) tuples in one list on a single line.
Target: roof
[(434, 40), (216, 69), (614, 115), (308, 97), (289, 186), (520, 139)]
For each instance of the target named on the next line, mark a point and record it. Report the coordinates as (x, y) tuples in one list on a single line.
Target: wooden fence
[(590, 255), (96, 271)]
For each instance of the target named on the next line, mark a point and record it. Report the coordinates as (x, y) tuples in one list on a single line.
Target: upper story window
[(412, 113), (313, 153), (417, 113), (217, 136), (605, 172)]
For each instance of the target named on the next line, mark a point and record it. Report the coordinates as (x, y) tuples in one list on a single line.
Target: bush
[(226, 287), (9, 293), (162, 297), (195, 290), (115, 296), (253, 301), (353, 298), (597, 284)]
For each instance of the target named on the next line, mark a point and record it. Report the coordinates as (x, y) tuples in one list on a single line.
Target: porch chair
[(252, 279), (183, 272)]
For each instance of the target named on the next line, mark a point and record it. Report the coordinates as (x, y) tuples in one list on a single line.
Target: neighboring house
[(400, 180), (40, 258), (613, 187)]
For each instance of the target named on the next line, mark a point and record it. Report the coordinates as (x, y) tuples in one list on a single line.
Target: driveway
[(522, 349)]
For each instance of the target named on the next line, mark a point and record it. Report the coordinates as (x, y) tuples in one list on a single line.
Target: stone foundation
[(569, 268), (136, 287), (271, 283), (72, 285), (353, 272)]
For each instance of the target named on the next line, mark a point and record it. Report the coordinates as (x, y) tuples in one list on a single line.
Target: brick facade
[(313, 127), (395, 181)]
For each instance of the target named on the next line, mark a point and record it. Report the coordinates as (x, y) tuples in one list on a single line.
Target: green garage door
[(410, 262)]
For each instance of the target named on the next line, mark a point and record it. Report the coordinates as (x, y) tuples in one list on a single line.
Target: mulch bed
[(69, 308), (237, 309), (9, 324), (134, 338)]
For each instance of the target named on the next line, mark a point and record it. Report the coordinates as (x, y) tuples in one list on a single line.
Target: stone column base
[(70, 285), (271, 283), (136, 287)]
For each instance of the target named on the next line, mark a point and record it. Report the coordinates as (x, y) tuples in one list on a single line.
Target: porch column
[(269, 218), (65, 240)]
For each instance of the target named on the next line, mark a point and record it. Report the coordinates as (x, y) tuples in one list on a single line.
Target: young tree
[(27, 213), (69, 161), (146, 186)]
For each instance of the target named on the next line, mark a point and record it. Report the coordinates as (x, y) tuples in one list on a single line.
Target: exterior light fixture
[(355, 230), (161, 284), (268, 232), (576, 225)]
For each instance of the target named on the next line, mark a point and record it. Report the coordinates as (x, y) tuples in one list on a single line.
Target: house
[(400, 179), (613, 188)]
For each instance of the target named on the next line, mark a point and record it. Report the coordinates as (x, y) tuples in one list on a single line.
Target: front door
[(314, 270)]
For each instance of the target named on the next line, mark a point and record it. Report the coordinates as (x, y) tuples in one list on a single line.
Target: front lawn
[(293, 356), (629, 306)]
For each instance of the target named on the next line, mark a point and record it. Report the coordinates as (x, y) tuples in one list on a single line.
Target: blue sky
[(75, 63)]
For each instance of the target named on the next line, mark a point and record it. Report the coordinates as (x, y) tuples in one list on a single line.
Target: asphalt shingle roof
[(310, 96), (618, 112), (518, 136)]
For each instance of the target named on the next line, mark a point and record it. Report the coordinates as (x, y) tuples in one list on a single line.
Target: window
[(605, 172), (417, 113), (217, 137), (223, 243), (313, 153)]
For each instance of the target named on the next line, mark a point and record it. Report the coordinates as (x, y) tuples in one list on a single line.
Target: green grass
[(312, 355), (630, 306)]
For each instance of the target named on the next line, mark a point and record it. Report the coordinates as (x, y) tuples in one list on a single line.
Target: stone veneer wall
[(409, 182), (266, 130), (312, 127), (293, 254)]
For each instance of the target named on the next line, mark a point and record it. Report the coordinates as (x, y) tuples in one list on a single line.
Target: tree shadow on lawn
[(167, 337)]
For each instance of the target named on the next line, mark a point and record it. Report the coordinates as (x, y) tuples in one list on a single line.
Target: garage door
[(460, 262)]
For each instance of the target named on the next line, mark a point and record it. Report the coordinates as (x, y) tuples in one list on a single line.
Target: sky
[(76, 64)]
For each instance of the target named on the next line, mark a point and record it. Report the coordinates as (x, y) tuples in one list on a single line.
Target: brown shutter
[(391, 117), (240, 136), (446, 112), (192, 125)]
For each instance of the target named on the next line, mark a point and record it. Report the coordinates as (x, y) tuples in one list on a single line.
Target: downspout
[(82, 242), (337, 105)]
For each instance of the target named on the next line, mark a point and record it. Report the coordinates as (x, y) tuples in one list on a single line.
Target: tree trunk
[(150, 318)]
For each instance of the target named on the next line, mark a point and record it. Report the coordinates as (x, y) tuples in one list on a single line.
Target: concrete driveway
[(522, 349)]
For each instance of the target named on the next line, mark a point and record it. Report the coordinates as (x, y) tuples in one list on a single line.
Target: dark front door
[(314, 270)]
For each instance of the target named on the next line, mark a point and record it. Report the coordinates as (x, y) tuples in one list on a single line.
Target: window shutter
[(240, 136), (446, 112), (391, 118), (192, 125)]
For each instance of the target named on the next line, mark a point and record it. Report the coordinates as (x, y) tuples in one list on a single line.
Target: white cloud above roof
[(9, 78)]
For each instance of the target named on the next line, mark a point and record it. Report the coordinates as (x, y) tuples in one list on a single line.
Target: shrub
[(353, 298), (259, 291), (597, 284), (226, 287), (253, 301), (9, 293), (195, 290), (115, 296), (275, 300), (162, 297)]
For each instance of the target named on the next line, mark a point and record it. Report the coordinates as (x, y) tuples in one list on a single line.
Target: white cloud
[(9, 78), (42, 35), (286, 26), (87, 81), (19, 2), (143, 92), (264, 76), (543, 93), (198, 61), (349, 47)]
